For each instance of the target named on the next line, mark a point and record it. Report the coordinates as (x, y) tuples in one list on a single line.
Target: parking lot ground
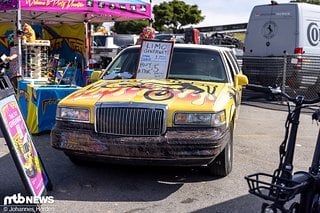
[(131, 189)]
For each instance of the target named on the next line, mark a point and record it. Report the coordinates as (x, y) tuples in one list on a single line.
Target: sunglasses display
[(35, 61)]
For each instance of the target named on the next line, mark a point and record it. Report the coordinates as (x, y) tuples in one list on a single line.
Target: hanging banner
[(155, 59), (5, 31), (8, 4), (76, 11), (68, 41), (133, 9)]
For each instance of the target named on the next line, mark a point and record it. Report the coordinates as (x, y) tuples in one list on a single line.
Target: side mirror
[(95, 76), (241, 80)]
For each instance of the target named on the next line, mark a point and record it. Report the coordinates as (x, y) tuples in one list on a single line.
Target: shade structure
[(74, 11)]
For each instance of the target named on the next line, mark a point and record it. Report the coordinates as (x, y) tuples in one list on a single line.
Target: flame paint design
[(155, 91)]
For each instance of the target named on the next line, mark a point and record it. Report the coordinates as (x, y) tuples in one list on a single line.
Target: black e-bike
[(281, 187)]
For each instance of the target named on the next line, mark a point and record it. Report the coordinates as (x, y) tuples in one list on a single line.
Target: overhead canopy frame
[(75, 11), (63, 11)]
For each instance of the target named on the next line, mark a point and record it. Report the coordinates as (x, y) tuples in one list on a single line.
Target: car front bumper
[(187, 147)]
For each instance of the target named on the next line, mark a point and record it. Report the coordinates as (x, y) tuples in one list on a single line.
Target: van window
[(123, 40), (99, 41)]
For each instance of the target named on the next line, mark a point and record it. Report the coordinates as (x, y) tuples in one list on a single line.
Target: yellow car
[(185, 120)]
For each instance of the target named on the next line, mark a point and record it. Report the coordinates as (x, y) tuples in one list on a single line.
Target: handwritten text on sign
[(154, 59)]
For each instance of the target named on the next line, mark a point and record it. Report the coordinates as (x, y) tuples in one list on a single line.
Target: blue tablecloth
[(40, 104), (22, 94)]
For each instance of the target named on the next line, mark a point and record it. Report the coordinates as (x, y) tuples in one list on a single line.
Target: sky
[(222, 12)]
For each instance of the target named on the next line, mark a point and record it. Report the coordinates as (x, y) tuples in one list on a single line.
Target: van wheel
[(222, 165)]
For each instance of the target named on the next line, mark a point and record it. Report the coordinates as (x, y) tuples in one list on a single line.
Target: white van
[(277, 29)]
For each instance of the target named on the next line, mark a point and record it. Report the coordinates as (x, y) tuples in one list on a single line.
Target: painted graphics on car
[(180, 93)]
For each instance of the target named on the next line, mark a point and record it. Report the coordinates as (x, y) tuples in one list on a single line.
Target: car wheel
[(222, 165)]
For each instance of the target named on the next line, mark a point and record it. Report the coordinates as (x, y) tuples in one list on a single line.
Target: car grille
[(130, 119)]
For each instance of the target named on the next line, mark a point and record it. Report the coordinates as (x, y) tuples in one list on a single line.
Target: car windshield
[(99, 41), (123, 40), (187, 63), (164, 36)]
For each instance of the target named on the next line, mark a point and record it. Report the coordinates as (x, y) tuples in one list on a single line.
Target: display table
[(22, 95), (39, 104)]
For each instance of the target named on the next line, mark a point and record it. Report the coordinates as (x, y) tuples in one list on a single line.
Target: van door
[(310, 29), (272, 30)]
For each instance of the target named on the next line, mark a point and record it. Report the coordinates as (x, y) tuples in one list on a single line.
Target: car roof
[(196, 46), (162, 35)]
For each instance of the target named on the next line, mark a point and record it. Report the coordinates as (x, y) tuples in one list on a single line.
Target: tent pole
[(150, 20), (86, 24), (19, 38)]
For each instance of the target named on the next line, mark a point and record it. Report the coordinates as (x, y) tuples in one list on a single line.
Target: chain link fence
[(295, 74)]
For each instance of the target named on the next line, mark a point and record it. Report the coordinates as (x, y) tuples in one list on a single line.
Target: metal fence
[(295, 74)]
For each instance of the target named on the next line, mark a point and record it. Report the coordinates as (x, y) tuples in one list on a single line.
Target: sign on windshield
[(155, 59)]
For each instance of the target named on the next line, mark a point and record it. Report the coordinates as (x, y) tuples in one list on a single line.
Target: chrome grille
[(130, 119)]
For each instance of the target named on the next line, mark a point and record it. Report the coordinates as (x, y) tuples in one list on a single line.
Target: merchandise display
[(36, 59), (29, 35)]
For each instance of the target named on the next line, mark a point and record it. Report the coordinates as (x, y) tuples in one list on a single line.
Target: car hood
[(179, 94)]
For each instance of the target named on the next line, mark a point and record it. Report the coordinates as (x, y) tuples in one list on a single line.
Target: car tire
[(222, 164)]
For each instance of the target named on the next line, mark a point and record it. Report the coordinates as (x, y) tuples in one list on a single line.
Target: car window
[(123, 40), (99, 41), (230, 67), (197, 64), (127, 62), (187, 63), (234, 61)]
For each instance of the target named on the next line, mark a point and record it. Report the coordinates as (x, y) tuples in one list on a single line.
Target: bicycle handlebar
[(278, 91)]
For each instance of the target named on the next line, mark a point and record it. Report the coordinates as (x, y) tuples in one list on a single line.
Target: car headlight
[(200, 119), (73, 114)]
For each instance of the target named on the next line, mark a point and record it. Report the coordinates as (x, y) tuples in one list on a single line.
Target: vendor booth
[(60, 30)]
